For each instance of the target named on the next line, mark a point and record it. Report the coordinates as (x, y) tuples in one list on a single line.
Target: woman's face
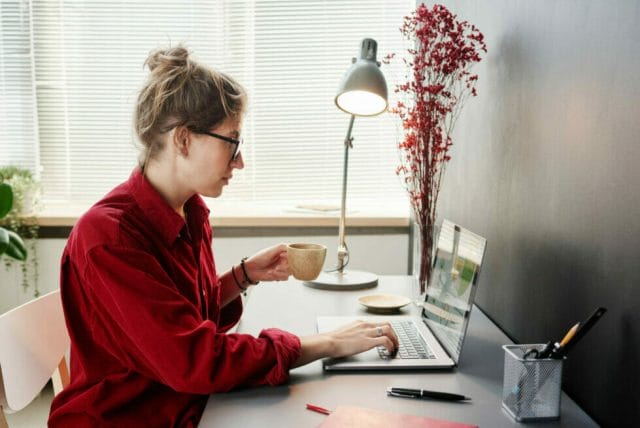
[(210, 165)]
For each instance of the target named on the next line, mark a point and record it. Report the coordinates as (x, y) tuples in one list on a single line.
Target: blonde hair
[(181, 92)]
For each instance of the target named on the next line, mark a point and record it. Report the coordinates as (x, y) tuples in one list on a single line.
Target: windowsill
[(251, 215)]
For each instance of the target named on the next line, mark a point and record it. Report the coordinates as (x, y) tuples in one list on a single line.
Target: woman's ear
[(181, 140)]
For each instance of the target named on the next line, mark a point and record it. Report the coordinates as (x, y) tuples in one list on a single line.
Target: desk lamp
[(362, 92)]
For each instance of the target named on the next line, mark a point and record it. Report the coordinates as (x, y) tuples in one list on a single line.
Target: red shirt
[(142, 304)]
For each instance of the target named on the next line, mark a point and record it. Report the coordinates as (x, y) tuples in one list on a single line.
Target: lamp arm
[(343, 252)]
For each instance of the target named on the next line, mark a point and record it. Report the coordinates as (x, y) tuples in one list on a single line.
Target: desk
[(293, 307)]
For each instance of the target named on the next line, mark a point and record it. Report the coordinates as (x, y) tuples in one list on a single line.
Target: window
[(18, 120), (70, 71)]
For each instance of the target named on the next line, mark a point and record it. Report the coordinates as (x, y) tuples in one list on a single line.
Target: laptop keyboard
[(412, 345)]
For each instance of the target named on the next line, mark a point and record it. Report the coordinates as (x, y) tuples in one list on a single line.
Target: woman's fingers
[(385, 330), (270, 264), (376, 334), (372, 329), (366, 329), (382, 329), (362, 336), (377, 331), (386, 342), (280, 274)]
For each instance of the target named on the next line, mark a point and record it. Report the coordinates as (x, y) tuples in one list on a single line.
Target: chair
[(33, 344)]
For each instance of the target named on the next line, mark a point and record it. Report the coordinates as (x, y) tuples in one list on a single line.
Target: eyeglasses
[(236, 143)]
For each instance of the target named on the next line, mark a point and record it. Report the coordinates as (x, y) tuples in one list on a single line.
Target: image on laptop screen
[(450, 293)]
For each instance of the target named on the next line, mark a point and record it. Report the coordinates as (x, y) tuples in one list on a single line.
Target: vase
[(424, 246)]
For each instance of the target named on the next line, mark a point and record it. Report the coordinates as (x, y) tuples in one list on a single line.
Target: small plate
[(384, 302)]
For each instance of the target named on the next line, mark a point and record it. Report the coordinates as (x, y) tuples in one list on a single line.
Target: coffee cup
[(306, 260)]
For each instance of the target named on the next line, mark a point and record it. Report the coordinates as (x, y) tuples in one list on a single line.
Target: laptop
[(434, 339)]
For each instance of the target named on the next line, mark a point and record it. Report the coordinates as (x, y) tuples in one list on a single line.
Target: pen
[(318, 409), (584, 329), (551, 349), (423, 393)]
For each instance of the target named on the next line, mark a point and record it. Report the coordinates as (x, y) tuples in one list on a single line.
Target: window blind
[(18, 113), (80, 69)]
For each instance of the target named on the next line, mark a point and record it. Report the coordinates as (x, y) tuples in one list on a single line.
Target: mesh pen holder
[(532, 387)]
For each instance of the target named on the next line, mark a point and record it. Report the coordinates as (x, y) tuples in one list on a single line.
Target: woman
[(146, 310)]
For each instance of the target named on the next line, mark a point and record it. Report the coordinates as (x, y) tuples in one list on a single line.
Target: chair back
[(33, 342)]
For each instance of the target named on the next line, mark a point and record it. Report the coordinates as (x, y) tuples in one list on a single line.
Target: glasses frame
[(236, 142)]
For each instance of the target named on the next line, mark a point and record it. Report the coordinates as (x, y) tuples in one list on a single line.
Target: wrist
[(330, 345), (314, 348), (240, 284), (247, 272)]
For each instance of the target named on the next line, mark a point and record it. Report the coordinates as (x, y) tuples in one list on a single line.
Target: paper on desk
[(360, 417), (319, 209)]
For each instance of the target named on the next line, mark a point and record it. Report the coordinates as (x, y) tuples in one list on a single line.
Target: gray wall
[(546, 166)]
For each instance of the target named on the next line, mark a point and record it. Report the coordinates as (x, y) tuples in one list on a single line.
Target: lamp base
[(345, 280)]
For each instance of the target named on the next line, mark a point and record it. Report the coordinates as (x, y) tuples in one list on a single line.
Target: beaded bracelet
[(236, 280), (244, 271)]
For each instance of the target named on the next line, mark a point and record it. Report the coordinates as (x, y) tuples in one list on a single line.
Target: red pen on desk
[(318, 409)]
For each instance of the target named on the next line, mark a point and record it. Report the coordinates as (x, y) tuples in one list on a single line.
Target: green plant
[(19, 204), (11, 243)]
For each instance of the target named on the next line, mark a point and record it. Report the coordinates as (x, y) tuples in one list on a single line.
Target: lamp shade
[(363, 90)]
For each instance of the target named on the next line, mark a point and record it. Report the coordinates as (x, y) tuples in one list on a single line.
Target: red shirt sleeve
[(139, 317), (229, 314)]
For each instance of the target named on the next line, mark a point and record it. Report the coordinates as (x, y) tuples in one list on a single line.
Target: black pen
[(423, 393), (584, 329), (551, 349)]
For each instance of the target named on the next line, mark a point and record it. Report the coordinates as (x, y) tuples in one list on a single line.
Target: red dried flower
[(438, 83)]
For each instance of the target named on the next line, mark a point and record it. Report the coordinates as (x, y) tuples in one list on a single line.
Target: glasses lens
[(237, 149)]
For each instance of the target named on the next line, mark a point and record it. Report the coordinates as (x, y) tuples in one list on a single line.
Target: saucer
[(384, 302)]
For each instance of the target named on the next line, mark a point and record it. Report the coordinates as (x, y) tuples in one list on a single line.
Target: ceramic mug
[(306, 260)]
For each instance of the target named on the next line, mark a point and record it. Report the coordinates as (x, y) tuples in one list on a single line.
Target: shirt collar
[(164, 219)]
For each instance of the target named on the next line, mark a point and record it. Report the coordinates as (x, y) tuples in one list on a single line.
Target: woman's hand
[(350, 339), (270, 264), (360, 336)]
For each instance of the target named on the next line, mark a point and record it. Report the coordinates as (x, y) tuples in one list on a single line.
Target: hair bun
[(166, 59)]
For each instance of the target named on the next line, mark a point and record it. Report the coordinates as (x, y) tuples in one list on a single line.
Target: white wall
[(13, 294), (385, 254)]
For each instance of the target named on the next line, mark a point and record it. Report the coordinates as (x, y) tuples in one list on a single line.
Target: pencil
[(567, 337), (318, 409)]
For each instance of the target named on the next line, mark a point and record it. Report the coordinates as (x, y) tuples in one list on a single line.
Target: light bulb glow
[(361, 103)]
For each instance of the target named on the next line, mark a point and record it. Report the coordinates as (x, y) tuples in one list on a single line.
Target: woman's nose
[(238, 162)]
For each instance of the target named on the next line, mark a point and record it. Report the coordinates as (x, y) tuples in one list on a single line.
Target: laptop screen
[(450, 294)]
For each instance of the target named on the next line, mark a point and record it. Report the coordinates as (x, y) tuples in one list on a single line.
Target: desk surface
[(293, 307)]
